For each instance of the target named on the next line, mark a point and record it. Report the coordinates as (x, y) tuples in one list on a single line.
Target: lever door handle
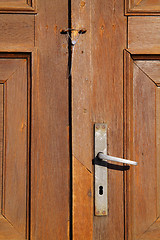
[(101, 172), (102, 156)]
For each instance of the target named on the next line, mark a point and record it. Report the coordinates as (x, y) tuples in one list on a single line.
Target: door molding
[(147, 65)]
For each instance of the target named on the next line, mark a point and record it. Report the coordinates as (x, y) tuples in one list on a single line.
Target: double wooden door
[(55, 84)]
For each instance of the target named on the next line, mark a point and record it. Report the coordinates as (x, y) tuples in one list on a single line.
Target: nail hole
[(100, 190)]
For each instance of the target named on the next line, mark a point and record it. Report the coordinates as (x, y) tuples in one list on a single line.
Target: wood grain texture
[(83, 206), (144, 195), (97, 88), (143, 33), (7, 231), (158, 147), (82, 85), (1, 140), (15, 152), (153, 233), (144, 51), (150, 68), (16, 30), (50, 178), (18, 6), (141, 146), (128, 134), (8, 67), (109, 32), (142, 7)]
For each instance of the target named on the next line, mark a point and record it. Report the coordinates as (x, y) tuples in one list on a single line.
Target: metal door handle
[(102, 156), (101, 172)]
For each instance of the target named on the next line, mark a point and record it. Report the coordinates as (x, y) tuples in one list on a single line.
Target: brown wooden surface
[(8, 67), (142, 7), (97, 96), (151, 69), (17, 6), (128, 133), (144, 195), (153, 233), (143, 33), (16, 30), (158, 147), (83, 201), (109, 32), (82, 128), (50, 217), (142, 145), (97, 86), (1, 140), (7, 231), (15, 152), (49, 152)]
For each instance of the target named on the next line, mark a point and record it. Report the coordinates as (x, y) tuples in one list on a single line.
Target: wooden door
[(141, 134), (34, 121), (48, 113), (115, 80)]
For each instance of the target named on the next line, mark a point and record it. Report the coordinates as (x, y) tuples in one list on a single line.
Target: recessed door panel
[(142, 137), (14, 137)]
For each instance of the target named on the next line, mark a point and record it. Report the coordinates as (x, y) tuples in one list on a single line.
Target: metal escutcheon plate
[(101, 188)]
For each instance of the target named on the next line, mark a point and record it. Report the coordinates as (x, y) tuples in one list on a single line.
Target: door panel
[(15, 115), (15, 155), (16, 31), (144, 34), (144, 179), (142, 145)]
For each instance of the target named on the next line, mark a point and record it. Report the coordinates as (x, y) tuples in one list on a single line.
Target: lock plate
[(101, 173)]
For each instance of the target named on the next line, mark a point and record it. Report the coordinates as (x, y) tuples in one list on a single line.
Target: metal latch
[(101, 172)]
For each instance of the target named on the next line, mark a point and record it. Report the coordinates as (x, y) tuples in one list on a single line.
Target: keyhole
[(100, 190)]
